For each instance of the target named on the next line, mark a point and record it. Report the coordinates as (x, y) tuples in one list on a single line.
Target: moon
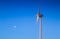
[(14, 26)]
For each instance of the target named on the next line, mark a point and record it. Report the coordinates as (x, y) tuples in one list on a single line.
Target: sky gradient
[(18, 19)]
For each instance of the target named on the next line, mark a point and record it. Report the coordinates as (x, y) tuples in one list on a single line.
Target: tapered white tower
[(39, 17)]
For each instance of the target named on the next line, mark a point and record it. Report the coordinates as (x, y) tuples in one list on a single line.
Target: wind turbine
[(39, 17)]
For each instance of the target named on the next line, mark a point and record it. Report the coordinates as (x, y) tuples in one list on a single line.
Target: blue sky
[(18, 19)]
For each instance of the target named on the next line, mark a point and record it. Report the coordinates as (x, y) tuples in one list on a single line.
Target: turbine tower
[(39, 17)]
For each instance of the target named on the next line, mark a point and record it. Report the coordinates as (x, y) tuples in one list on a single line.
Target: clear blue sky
[(18, 19)]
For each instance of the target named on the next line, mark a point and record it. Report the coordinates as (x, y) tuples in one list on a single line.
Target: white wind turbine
[(39, 17)]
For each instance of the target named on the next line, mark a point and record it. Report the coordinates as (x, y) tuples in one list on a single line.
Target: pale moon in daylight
[(14, 26)]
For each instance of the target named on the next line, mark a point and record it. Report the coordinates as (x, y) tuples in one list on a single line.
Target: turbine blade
[(37, 18)]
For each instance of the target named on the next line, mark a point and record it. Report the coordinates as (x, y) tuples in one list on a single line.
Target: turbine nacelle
[(38, 16)]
